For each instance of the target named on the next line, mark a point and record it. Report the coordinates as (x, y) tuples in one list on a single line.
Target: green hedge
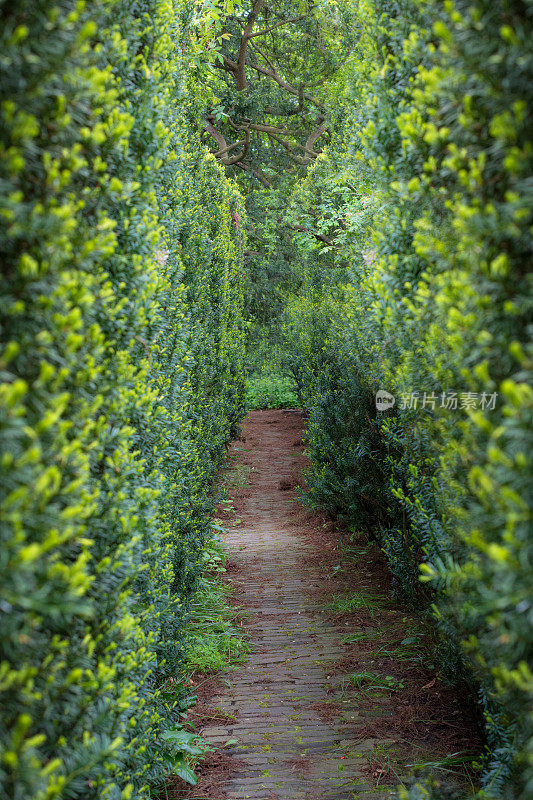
[(121, 378), (436, 298)]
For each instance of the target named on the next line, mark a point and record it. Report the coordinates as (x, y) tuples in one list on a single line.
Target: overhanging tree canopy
[(273, 64)]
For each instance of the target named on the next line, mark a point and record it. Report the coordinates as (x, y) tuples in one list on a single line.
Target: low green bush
[(271, 391), (121, 379)]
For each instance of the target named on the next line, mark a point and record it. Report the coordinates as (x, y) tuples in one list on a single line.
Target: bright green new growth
[(121, 379)]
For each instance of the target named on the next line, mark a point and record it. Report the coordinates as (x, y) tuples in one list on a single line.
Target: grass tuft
[(216, 636)]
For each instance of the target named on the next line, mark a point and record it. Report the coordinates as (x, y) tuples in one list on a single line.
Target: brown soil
[(212, 775), (316, 716)]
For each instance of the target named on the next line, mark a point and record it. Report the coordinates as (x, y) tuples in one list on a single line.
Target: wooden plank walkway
[(287, 749)]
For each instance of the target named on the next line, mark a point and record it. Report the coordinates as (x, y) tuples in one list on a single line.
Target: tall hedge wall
[(433, 303), (120, 380)]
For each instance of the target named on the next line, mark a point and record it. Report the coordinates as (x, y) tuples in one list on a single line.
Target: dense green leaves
[(121, 379), (435, 299), (406, 247)]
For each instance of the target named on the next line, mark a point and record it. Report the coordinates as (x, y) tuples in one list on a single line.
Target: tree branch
[(246, 35), (277, 25), (217, 136), (224, 148), (320, 236), (220, 153), (284, 85), (257, 173), (314, 136), (297, 159)]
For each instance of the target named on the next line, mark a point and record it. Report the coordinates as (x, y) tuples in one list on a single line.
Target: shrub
[(113, 416), (437, 300)]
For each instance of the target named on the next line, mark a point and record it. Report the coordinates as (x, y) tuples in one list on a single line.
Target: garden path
[(310, 715)]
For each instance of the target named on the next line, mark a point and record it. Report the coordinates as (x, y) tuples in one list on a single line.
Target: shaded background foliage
[(121, 381)]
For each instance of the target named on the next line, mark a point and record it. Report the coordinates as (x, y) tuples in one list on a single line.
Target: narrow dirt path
[(332, 701)]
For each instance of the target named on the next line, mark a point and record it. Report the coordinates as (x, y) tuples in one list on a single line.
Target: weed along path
[(337, 699)]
